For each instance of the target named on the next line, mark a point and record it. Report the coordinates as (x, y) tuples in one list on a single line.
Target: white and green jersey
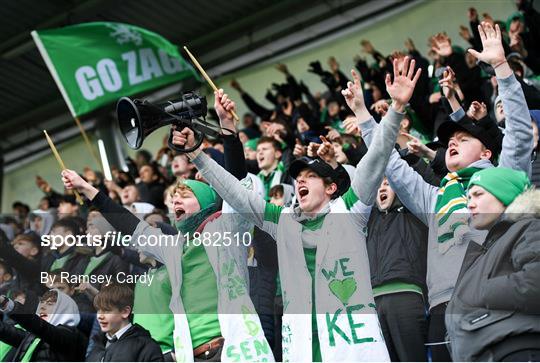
[(341, 297)]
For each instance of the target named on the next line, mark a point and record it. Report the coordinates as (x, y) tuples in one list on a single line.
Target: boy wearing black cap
[(322, 256), (471, 147)]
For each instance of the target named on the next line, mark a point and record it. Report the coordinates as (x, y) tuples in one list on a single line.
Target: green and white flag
[(94, 64)]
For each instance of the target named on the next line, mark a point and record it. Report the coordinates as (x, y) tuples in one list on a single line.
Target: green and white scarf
[(451, 206)]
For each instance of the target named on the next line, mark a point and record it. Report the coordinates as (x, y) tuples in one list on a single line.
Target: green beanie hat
[(252, 144), (505, 184), (205, 195)]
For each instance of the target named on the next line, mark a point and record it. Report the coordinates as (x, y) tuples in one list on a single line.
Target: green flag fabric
[(94, 64)]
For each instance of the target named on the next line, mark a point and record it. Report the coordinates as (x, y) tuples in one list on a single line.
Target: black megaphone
[(139, 118)]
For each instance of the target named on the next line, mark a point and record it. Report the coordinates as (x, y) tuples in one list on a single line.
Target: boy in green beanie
[(491, 191), (212, 321), (494, 311)]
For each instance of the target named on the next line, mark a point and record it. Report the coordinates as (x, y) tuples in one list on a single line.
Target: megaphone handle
[(199, 137)]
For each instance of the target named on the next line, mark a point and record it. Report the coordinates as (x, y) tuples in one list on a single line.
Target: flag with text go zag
[(94, 64)]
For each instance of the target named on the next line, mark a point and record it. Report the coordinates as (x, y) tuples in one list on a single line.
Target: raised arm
[(243, 200), (412, 190), (58, 337), (370, 170), (119, 217), (517, 144)]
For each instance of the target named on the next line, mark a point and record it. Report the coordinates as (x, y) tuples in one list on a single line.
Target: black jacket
[(135, 345), (497, 294), (58, 343), (152, 193), (110, 266), (397, 246), (28, 271)]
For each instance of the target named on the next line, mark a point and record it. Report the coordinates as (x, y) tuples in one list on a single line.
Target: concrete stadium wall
[(418, 22)]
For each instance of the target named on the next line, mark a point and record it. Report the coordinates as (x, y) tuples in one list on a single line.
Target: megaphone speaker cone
[(129, 121)]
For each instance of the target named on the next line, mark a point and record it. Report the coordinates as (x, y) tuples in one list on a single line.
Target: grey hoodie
[(65, 311), (48, 217)]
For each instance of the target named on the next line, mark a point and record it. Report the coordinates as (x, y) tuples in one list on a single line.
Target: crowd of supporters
[(427, 160)]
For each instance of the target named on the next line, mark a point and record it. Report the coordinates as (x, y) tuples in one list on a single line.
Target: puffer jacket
[(397, 246), (497, 296)]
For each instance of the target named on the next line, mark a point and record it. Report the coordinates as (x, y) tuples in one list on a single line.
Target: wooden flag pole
[(214, 87), (62, 165), (88, 144)]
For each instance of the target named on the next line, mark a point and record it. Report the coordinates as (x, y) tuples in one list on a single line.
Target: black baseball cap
[(485, 130), (324, 170)]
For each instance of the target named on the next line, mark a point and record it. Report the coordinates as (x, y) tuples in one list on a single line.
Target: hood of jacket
[(48, 217), (65, 311), (526, 205)]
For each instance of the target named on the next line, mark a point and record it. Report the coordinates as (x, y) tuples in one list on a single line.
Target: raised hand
[(441, 44), (42, 184), (282, 68), (447, 82), (472, 14), (380, 107), (72, 180), (332, 133), (326, 152), (299, 149), (333, 64), (312, 149), (353, 94), (401, 89), (465, 33), (488, 19), (315, 67), (350, 124), (224, 107), (477, 110), (87, 288), (367, 47), (416, 147), (234, 84), (493, 51), (183, 138), (409, 44)]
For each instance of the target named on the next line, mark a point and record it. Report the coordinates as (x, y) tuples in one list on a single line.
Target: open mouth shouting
[(383, 197), (453, 152), (303, 191), (179, 212)]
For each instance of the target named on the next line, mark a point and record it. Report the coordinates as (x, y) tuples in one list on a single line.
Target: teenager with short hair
[(120, 340)]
